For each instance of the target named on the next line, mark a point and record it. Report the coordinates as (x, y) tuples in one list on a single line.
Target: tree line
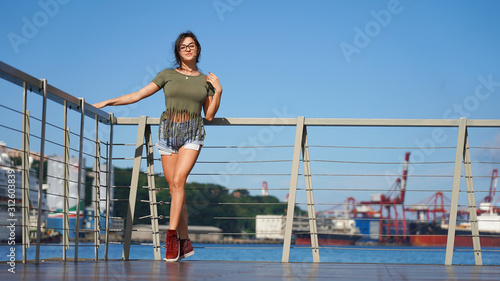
[(208, 204)]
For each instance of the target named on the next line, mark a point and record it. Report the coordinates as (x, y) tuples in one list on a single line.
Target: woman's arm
[(143, 93), (211, 105)]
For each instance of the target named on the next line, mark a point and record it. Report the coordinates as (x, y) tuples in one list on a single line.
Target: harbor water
[(273, 253)]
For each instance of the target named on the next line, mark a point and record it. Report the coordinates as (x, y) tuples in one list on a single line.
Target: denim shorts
[(167, 146)]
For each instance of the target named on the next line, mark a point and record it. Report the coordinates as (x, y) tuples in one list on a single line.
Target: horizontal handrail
[(218, 121), (35, 85), (327, 122)]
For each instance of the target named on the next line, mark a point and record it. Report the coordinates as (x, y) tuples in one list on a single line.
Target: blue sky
[(325, 59)]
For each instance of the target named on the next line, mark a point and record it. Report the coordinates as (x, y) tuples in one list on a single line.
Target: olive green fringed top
[(184, 98)]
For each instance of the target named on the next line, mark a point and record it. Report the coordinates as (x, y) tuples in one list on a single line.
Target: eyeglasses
[(191, 46)]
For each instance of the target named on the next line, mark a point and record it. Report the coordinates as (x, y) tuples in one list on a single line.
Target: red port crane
[(487, 204), (393, 226), (493, 187), (433, 205)]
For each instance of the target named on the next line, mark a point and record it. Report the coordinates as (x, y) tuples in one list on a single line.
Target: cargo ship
[(436, 234), (332, 231), (324, 239)]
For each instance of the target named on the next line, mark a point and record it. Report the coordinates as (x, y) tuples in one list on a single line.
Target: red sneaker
[(186, 249), (173, 246)]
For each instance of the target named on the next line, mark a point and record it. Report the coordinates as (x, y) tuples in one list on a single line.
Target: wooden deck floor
[(241, 271)]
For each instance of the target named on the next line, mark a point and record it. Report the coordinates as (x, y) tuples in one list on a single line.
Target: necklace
[(187, 74)]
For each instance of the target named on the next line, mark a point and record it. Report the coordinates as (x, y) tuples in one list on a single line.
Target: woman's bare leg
[(170, 161), (182, 228), (176, 168)]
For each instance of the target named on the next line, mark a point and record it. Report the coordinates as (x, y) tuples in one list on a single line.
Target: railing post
[(287, 240), (26, 186), (108, 183), (40, 176), (80, 167), (65, 218), (97, 196), (152, 194), (65, 234), (459, 156), (472, 204), (26, 175), (313, 230), (134, 182)]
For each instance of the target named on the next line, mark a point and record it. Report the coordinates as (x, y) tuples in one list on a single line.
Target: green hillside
[(207, 203)]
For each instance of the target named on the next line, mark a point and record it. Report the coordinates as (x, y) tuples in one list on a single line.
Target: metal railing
[(299, 150), (84, 110)]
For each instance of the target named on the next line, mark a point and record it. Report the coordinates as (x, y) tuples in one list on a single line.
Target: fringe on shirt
[(192, 127)]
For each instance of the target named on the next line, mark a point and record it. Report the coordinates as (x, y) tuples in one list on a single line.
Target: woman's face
[(188, 50)]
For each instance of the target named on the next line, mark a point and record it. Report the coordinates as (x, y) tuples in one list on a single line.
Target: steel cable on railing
[(383, 163), (263, 161), (299, 203), (222, 162), (377, 147), (13, 129), (246, 146), (61, 178), (11, 109), (484, 147), (218, 203)]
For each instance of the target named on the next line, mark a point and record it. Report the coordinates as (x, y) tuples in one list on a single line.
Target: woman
[(181, 133)]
